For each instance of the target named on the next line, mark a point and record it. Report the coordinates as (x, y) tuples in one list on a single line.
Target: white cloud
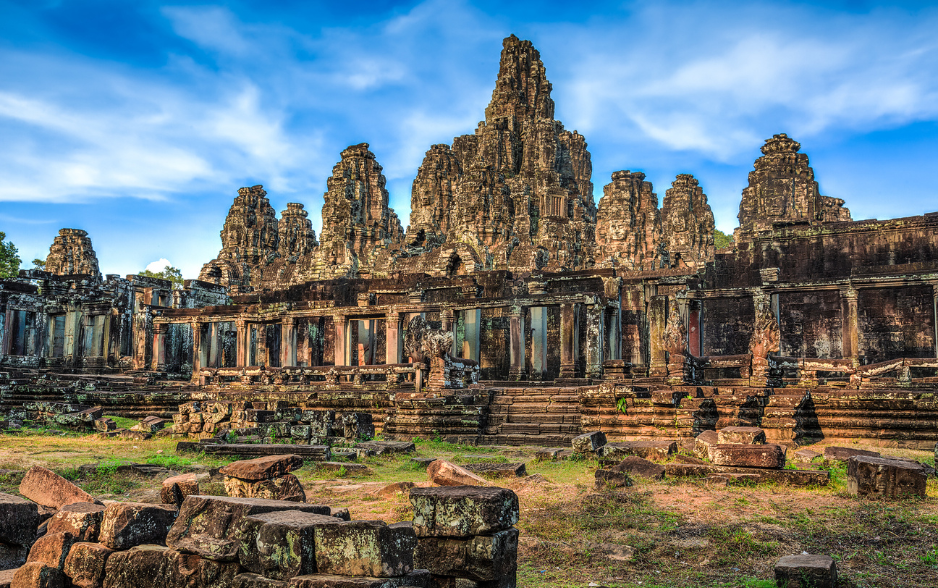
[(158, 265)]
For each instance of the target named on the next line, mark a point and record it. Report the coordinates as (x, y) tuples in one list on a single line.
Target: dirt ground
[(670, 533)]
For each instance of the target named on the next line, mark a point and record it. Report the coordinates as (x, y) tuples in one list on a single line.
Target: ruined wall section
[(628, 223), (782, 189), (687, 224), (71, 253)]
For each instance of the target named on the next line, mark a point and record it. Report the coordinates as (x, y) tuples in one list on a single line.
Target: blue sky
[(138, 121)]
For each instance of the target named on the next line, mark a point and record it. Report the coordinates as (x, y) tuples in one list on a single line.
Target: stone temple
[(514, 309)]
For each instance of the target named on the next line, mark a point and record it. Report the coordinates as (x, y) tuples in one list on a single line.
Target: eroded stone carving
[(628, 224), (71, 253), (687, 224)]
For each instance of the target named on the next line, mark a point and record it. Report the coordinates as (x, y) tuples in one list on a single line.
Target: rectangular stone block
[(589, 442), (262, 468), (154, 566), (257, 581), (281, 544), (480, 558), (128, 524), (704, 442), (885, 478), (752, 456), (415, 579), (81, 519), (51, 550), (845, 453), (365, 548), (806, 571), (47, 488), (740, 436), (656, 449), (463, 511), (86, 563), (12, 556), (18, 520)]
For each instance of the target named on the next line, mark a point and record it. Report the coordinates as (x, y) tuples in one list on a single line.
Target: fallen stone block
[(423, 461), (395, 489), (641, 467), (549, 454), (47, 488), (374, 448), (155, 566), (415, 579), (136, 435), (751, 456), (806, 571), (740, 436), (885, 478), (463, 511), (18, 520), (207, 525), (37, 575), (51, 549), (340, 513), (611, 479), (358, 425), (81, 519), (104, 425), (307, 452), (12, 556), (704, 442), (647, 449), (480, 558), (286, 487), (497, 470), (6, 576), (85, 564), (262, 468), (805, 455), (280, 545), (257, 581), (365, 548), (588, 442), (352, 468), (128, 524), (445, 473), (845, 453), (175, 489), (790, 477)]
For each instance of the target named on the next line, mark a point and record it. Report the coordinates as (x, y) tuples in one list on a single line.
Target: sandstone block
[(81, 519), (845, 453), (638, 466), (415, 579), (394, 489), (281, 544), (611, 479), (38, 575), (262, 468), (885, 478), (155, 566), (648, 449), (806, 571), (303, 432), (805, 455), (6, 577), (740, 436), (85, 564), (51, 550), (208, 525), (176, 488), (480, 558), (128, 524), (340, 513), (463, 511), (320, 421), (12, 556), (703, 442), (365, 548), (104, 425), (285, 487), (753, 456), (358, 425), (589, 442), (445, 473), (257, 581), (18, 520), (47, 488)]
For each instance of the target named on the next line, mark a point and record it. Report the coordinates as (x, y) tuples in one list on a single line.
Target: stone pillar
[(516, 333), (447, 318), (657, 320), (934, 293), (196, 350), (470, 345), (538, 343), (850, 331), (392, 343), (614, 333), (288, 342), (159, 346), (568, 340), (594, 340), (340, 343), (241, 343), (6, 342)]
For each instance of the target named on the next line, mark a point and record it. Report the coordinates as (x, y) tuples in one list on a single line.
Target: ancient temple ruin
[(548, 316)]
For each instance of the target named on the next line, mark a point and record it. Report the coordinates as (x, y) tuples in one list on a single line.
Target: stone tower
[(296, 236), (71, 253), (687, 224), (628, 224)]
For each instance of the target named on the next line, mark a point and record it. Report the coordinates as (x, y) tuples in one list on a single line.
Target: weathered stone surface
[(52, 549), (18, 520), (12, 556), (704, 442), (588, 442), (6, 577), (657, 449), (295, 231), (445, 473), (257, 581), (638, 466), (128, 524), (463, 511), (38, 575), (85, 564), (806, 571), (480, 558), (394, 489), (175, 489), (845, 453), (281, 544), (628, 223), (262, 468), (285, 487), (340, 513), (71, 253), (612, 479), (47, 488), (365, 548), (805, 455), (885, 478), (416, 579), (386, 447), (686, 224), (783, 476), (740, 436), (755, 456), (208, 525), (81, 519), (155, 566)]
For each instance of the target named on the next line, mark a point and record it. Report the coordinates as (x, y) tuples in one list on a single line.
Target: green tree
[(721, 239), (170, 273), (9, 260), (39, 264)]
